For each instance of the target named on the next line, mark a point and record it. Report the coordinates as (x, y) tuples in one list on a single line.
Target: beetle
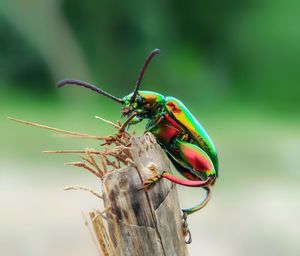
[(185, 141)]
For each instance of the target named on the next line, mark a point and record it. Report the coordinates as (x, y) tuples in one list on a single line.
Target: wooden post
[(136, 222), (140, 222)]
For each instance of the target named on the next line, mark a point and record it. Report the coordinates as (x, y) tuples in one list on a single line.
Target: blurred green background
[(235, 64)]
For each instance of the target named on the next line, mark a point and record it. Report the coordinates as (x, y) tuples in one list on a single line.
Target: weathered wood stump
[(140, 222), (136, 221)]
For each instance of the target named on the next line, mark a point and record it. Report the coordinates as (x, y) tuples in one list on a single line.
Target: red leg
[(191, 159), (188, 183)]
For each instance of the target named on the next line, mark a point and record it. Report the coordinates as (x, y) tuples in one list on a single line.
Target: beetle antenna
[(64, 82), (141, 74)]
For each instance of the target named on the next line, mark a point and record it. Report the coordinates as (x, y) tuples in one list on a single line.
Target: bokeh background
[(235, 64)]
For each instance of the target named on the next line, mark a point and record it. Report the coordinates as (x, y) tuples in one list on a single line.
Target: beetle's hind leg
[(199, 206), (192, 162), (195, 165), (186, 230), (156, 176), (198, 165), (186, 212)]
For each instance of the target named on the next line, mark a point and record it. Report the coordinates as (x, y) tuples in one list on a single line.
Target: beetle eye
[(139, 100)]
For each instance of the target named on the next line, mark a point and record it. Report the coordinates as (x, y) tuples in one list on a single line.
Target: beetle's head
[(130, 106), (145, 103), (132, 102)]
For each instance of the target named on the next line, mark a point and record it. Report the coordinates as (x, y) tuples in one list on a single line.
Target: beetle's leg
[(191, 159), (186, 230), (150, 181), (187, 183), (196, 159), (134, 120), (156, 176), (155, 123), (193, 163), (128, 121), (199, 206), (186, 212)]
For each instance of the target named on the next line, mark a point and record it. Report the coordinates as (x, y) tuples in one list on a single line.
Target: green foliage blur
[(213, 53)]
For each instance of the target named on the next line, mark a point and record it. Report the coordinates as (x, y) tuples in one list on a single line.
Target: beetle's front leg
[(133, 119)]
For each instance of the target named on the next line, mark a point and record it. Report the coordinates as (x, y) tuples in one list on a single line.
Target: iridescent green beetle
[(187, 144)]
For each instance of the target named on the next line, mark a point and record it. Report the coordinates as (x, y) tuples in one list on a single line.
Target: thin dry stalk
[(109, 122), (85, 166), (101, 234), (70, 152), (77, 134), (76, 187), (91, 233)]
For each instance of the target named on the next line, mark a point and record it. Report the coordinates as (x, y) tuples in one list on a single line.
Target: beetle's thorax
[(146, 104), (151, 102)]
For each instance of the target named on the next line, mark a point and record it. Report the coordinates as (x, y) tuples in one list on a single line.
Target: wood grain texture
[(143, 222)]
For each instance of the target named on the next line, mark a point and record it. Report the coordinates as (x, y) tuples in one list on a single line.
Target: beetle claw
[(156, 176), (151, 181), (190, 237), (186, 230)]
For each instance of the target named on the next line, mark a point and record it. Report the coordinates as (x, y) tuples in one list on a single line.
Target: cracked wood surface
[(143, 222)]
